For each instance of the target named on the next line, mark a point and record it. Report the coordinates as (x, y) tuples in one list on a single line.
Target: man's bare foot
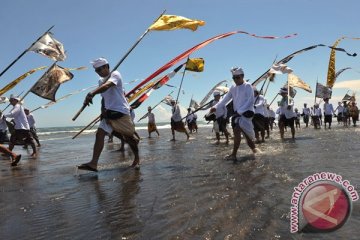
[(33, 155), (230, 157), (87, 167), (256, 151), (15, 160), (136, 164)]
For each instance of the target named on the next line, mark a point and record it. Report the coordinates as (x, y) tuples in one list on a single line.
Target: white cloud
[(162, 114), (349, 84)]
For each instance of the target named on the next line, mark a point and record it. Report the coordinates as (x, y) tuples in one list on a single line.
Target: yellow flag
[(331, 75), (19, 79), (195, 65), (172, 22), (331, 70), (295, 81)]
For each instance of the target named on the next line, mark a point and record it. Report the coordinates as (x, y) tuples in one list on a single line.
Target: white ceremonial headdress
[(216, 94), (12, 96), (99, 62), (237, 71)]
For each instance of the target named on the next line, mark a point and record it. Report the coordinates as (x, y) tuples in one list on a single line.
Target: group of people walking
[(251, 116), (344, 113), (23, 130)]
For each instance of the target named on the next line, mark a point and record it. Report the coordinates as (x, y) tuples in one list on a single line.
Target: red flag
[(157, 85), (193, 49)]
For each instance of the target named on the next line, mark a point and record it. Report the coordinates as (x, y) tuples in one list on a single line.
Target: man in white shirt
[(220, 123), (176, 123), (316, 116), (31, 121), (22, 127), (328, 112), (151, 123), (242, 95), (306, 115), (286, 113), (339, 110), (191, 121), (115, 113)]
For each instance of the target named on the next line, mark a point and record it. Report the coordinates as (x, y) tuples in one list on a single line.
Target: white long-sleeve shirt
[(19, 116), (31, 120), (328, 109), (259, 105), (284, 104), (242, 96), (176, 115), (221, 111), (306, 111), (151, 117)]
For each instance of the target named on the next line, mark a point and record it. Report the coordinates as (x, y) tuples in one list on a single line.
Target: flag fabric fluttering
[(195, 64), (295, 81), (49, 83), (280, 68), (173, 22), (161, 82), (347, 97), (4, 100), (331, 76), (337, 74), (194, 104), (331, 69), (167, 100), (50, 47), (193, 49), (322, 91), (19, 79), (207, 96), (292, 55), (63, 98)]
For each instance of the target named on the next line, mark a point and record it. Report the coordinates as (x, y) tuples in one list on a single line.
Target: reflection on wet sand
[(183, 190)]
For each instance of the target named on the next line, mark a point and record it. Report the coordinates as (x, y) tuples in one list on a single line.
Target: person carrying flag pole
[(242, 95), (116, 116)]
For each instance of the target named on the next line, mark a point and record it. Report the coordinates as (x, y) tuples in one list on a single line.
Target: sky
[(90, 29)]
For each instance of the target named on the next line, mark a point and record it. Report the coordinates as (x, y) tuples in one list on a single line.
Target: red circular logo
[(325, 206)]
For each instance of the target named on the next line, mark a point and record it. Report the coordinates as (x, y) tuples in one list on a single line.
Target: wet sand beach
[(183, 190)]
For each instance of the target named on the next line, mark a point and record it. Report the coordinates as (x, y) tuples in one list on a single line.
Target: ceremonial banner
[(295, 81), (167, 100), (323, 91), (291, 56), (172, 22), (280, 68), (207, 96), (193, 49), (195, 65), (49, 83), (341, 71), (347, 97), (331, 76), (155, 86), (48, 46), (194, 104), (4, 100), (19, 79), (331, 69)]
